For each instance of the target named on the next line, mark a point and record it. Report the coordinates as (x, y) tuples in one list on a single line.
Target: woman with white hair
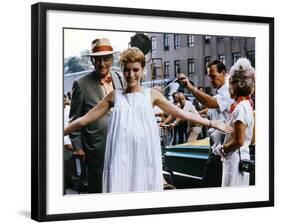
[(236, 144)]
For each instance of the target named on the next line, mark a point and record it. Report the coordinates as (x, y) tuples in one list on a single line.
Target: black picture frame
[(39, 113)]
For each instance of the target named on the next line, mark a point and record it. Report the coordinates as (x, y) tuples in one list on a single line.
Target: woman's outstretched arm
[(94, 114), (159, 100)]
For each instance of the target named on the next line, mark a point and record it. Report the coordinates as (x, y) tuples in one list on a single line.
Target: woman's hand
[(217, 124), (218, 150)]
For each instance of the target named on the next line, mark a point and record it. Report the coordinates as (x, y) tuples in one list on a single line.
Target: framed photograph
[(69, 41)]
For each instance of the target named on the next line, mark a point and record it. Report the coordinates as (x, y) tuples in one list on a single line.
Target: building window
[(222, 58), (166, 42), (177, 41), (190, 41), (177, 66), (207, 39), (153, 44), (251, 55), (234, 38), (190, 67), (166, 69), (207, 61), (235, 57), (153, 70), (220, 39)]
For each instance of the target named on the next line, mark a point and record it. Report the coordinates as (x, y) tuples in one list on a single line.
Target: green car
[(184, 164)]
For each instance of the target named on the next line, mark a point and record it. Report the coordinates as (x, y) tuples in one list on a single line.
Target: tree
[(77, 64), (84, 60), (72, 65)]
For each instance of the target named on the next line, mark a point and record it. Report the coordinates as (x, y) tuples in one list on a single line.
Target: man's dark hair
[(219, 64)]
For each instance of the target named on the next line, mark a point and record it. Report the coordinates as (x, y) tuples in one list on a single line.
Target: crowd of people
[(111, 122)]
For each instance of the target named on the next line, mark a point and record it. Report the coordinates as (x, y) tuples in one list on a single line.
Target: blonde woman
[(133, 153)]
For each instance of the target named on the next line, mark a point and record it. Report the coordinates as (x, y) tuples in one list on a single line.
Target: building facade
[(189, 54)]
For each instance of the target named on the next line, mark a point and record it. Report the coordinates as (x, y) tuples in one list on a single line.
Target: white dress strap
[(117, 97), (147, 93)]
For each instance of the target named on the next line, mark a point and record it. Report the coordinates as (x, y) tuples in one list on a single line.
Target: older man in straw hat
[(88, 90)]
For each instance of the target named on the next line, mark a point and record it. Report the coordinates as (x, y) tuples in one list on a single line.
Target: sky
[(77, 40)]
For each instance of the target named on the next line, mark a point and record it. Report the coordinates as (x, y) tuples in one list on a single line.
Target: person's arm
[(237, 139), (168, 122), (168, 119), (189, 107), (69, 147), (254, 130), (74, 113), (204, 111), (175, 123), (94, 114), (159, 100), (205, 99)]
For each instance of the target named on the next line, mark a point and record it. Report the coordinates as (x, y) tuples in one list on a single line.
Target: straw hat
[(101, 47)]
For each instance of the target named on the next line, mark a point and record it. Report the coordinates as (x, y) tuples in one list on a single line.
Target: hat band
[(102, 48)]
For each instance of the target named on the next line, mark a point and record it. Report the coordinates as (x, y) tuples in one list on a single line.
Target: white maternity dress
[(133, 159)]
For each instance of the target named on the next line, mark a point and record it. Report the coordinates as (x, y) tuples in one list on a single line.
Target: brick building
[(190, 54)]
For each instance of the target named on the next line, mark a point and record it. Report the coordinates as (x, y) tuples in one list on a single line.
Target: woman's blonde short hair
[(242, 77), (132, 55)]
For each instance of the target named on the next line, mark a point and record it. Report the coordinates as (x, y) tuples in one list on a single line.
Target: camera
[(246, 166)]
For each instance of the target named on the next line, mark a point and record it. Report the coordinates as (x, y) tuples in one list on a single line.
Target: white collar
[(222, 88)]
